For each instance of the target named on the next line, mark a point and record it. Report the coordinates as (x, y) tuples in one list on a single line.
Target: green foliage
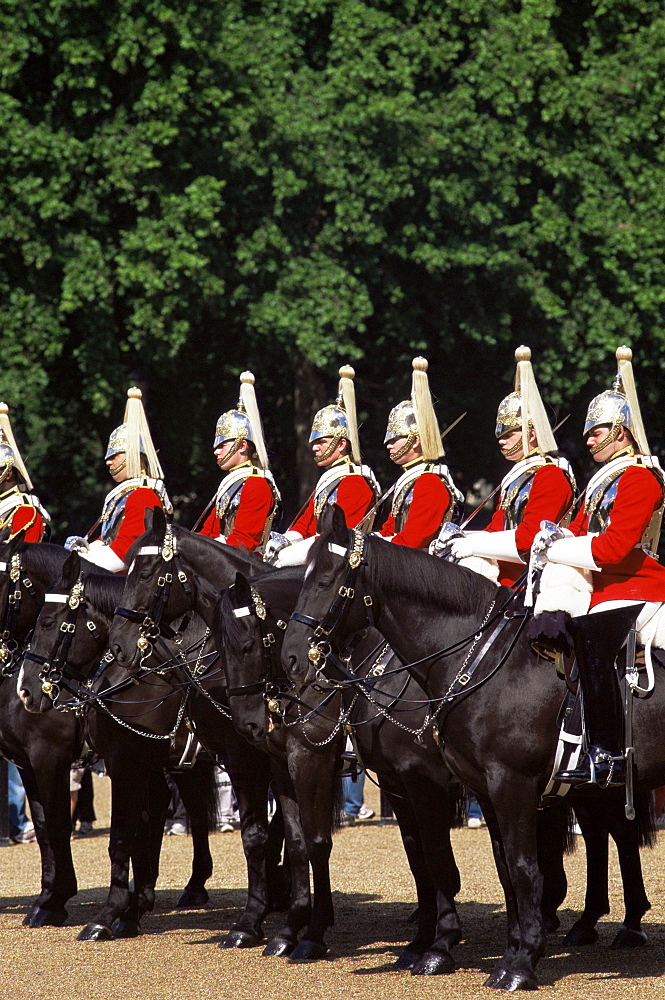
[(187, 190)]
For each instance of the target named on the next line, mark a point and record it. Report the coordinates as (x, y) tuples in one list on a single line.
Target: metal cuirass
[(111, 525)]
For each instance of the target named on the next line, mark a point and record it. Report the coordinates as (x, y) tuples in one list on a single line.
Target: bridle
[(273, 682), (151, 627), (12, 610), (55, 667), (325, 627)]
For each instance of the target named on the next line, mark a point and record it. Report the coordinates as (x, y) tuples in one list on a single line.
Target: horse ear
[(242, 587), (71, 570), (339, 522), (12, 543), (154, 520)]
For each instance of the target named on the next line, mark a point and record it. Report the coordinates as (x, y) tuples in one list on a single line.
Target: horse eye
[(47, 622), (247, 647), (145, 574)]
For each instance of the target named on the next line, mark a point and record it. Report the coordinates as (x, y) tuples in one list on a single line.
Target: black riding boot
[(597, 640)]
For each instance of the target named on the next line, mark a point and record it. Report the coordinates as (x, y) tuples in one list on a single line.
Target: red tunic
[(429, 504), (132, 525), (28, 517), (627, 573), (354, 496), (256, 503), (550, 498)]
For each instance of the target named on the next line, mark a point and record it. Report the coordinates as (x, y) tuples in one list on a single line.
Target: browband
[(337, 550), (242, 612), (56, 598)]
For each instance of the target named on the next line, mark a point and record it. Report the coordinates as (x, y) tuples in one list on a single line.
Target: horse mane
[(282, 585), (414, 575), (241, 556), (104, 592)]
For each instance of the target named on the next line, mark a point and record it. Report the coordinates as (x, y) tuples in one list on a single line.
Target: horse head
[(333, 605)]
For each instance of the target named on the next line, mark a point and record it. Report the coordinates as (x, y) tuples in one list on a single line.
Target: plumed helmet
[(338, 420), (524, 408), (133, 438), (244, 422), (618, 406), (415, 417), (10, 456)]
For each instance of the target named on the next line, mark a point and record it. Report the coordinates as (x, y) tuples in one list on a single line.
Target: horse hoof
[(580, 936), (39, 917), (629, 938), (511, 979), (414, 916), (123, 928), (278, 947), (193, 899), (240, 939), (95, 932), (434, 963), (407, 959), (308, 951)]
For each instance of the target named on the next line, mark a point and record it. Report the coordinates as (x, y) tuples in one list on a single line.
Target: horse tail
[(570, 822), (198, 788), (645, 819), (338, 803), (457, 804)]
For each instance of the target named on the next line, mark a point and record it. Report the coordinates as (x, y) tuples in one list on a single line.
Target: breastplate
[(514, 503), (111, 527), (402, 502), (227, 507), (601, 503)]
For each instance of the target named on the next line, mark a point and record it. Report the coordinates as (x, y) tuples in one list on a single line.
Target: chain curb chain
[(448, 696)]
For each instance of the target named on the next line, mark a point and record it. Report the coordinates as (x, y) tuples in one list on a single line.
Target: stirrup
[(590, 770)]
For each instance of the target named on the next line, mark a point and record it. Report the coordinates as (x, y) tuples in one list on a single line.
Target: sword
[(631, 642)]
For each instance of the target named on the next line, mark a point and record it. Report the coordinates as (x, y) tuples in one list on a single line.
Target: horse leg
[(198, 791), (313, 777), (47, 789), (278, 872), (429, 804), (512, 825), (129, 800), (249, 771), (299, 912), (425, 891), (626, 835), (591, 818), (552, 833)]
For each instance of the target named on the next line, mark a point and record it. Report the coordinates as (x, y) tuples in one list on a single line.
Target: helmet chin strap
[(236, 448), (515, 448), (611, 436), (335, 440), (405, 447), (6, 472), (118, 468)]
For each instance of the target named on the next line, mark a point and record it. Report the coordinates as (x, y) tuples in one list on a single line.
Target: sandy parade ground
[(178, 958)]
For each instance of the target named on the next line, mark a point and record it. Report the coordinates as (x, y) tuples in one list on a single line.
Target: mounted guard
[(425, 496), (20, 510), (247, 500), (346, 481), (608, 560), (540, 486), (133, 464)]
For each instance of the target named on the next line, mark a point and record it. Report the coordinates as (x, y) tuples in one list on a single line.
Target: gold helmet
[(618, 407), (524, 409), (415, 418), (133, 438), (10, 457), (338, 420), (243, 423)]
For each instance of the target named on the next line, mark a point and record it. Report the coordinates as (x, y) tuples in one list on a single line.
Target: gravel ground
[(177, 957)]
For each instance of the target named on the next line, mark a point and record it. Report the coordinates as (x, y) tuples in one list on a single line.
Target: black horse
[(147, 720), (404, 755), (498, 727)]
